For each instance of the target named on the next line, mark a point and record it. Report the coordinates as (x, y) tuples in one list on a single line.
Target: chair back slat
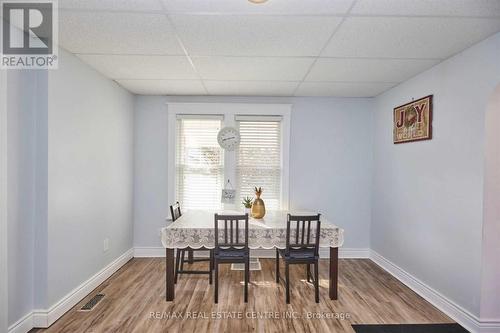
[(175, 211), (297, 233), (231, 232), (225, 233), (308, 231), (302, 234), (237, 232)]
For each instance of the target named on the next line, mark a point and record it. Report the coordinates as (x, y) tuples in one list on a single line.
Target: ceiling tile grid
[(349, 48), (367, 70), (141, 66), (117, 33), (343, 89), (254, 35), (408, 37), (281, 7), (465, 8), (251, 88), (112, 5), (163, 87), (252, 68)]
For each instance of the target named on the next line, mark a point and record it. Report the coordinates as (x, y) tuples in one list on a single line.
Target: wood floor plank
[(135, 301)]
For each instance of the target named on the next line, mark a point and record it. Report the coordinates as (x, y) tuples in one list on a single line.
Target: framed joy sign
[(413, 121)]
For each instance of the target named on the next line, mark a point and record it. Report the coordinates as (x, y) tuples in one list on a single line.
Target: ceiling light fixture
[(257, 2)]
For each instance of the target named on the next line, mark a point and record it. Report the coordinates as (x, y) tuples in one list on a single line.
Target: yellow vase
[(258, 208)]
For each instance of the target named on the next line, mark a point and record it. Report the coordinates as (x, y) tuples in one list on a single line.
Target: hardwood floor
[(135, 301)]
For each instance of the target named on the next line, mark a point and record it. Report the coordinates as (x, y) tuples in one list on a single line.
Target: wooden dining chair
[(180, 259), (302, 247), (231, 246)]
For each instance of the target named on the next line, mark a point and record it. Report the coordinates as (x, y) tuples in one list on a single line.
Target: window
[(259, 158), (199, 168), (199, 162)]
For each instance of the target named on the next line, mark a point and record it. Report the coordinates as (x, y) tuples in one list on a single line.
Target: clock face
[(228, 138)]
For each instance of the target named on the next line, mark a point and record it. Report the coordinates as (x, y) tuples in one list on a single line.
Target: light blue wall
[(21, 149), (150, 170), (335, 133), (490, 285), (331, 163), (69, 181), (90, 174), (40, 245), (3, 202), (428, 196)]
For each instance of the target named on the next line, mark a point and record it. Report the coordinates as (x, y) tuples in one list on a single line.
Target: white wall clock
[(228, 138)]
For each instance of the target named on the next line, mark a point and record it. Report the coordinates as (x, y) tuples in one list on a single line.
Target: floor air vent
[(93, 302)]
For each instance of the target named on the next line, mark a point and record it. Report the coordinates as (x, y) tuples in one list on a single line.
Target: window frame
[(229, 111)]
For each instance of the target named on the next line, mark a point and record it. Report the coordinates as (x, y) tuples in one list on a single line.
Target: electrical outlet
[(105, 246)]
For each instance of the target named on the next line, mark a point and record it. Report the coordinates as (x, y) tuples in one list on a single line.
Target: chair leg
[(247, 277), (316, 282), (287, 282), (277, 266), (210, 265), (216, 289), (183, 256), (190, 256), (177, 262), (308, 272)]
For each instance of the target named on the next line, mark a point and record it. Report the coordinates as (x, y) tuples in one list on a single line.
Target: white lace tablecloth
[(195, 229)]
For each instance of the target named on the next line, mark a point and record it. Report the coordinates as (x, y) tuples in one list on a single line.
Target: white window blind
[(259, 158), (199, 163)]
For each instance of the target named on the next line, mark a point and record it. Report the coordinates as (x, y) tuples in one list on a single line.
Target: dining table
[(195, 229)]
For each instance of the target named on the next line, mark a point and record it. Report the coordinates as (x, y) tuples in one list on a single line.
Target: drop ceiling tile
[(367, 70), (270, 7), (163, 87), (117, 33), (254, 35), (257, 68), (342, 89), (405, 37), (141, 67), (251, 88), (125, 5), (488, 8)]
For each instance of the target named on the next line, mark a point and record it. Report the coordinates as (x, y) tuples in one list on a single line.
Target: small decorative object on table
[(258, 207), (247, 203)]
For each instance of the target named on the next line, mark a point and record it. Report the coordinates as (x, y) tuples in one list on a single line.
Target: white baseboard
[(352, 253), (149, 252), (453, 310), (359, 253), (44, 318), (23, 325), (489, 326)]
